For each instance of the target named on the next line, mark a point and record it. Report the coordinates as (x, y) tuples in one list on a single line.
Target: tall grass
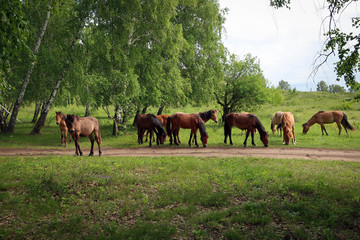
[(178, 198)]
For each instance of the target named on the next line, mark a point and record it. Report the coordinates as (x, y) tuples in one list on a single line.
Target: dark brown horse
[(187, 121), (84, 127), (248, 122), (205, 117), (152, 124), (60, 120), (163, 119), (322, 118)]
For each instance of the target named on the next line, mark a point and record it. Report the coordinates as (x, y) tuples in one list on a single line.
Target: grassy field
[(178, 198), (183, 197)]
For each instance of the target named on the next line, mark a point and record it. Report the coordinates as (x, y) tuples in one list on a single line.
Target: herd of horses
[(165, 125)]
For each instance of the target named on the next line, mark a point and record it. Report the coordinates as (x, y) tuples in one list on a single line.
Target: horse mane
[(201, 126), (205, 115), (259, 125), (320, 111), (72, 117), (157, 123)]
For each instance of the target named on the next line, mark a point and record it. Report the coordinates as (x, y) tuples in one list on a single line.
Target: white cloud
[(286, 41)]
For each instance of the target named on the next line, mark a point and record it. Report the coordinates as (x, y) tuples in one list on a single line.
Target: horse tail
[(168, 126), (346, 123)]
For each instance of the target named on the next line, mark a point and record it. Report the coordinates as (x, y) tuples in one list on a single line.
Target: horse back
[(287, 120), (87, 125), (329, 117)]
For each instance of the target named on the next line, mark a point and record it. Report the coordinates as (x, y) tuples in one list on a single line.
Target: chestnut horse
[(163, 119), (248, 122), (152, 124), (187, 121), (205, 117), (322, 118), (84, 127), (288, 126), (276, 120), (60, 120)]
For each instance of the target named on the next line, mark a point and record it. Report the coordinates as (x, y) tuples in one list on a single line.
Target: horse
[(187, 121), (84, 127), (322, 118), (276, 120), (152, 124), (60, 120), (288, 124), (205, 117), (163, 119), (248, 122)]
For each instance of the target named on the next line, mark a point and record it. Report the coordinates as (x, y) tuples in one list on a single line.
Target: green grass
[(302, 104), (178, 198)]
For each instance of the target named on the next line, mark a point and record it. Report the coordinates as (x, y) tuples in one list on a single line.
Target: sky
[(286, 42)]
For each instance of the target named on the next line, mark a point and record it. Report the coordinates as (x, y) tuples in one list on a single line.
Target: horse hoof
[(204, 145)]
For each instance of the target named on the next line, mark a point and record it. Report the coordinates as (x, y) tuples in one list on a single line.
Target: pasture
[(184, 197)]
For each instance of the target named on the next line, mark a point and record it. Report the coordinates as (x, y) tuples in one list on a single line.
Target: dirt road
[(298, 153)]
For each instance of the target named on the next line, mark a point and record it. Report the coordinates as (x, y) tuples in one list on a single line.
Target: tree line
[(122, 56)]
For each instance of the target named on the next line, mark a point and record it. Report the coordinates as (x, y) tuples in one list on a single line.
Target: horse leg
[(293, 132), (323, 128), (247, 135), (175, 139), (151, 135), (196, 144), (231, 142), (157, 137), (62, 137), (177, 134), (252, 138), (92, 145), (191, 134), (65, 137), (339, 126), (147, 134), (98, 140)]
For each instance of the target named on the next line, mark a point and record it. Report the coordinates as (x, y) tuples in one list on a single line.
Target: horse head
[(264, 137), (59, 116), (214, 116), (70, 123), (287, 135), (305, 128), (204, 137), (162, 135)]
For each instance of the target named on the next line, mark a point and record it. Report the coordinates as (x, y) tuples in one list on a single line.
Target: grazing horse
[(187, 121), (83, 127), (248, 122), (60, 120), (152, 124), (288, 125), (276, 120), (322, 118), (163, 119), (205, 117)]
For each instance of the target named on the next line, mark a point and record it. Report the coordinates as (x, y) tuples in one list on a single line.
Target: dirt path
[(298, 153)]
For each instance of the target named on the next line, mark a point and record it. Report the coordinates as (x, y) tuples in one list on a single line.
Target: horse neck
[(202, 128), (260, 127), (205, 116), (311, 121)]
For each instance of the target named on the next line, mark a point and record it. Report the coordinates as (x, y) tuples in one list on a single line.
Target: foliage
[(334, 88), (284, 85), (322, 86), (344, 44), (244, 86), (178, 198)]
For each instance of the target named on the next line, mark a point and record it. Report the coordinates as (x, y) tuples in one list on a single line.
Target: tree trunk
[(117, 120), (36, 111), (27, 76), (87, 109), (162, 106), (47, 105)]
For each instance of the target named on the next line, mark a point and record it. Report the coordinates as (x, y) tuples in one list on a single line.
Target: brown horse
[(205, 117), (163, 119), (152, 124), (187, 121), (322, 118), (60, 120), (276, 120), (83, 127), (288, 126), (248, 122)]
